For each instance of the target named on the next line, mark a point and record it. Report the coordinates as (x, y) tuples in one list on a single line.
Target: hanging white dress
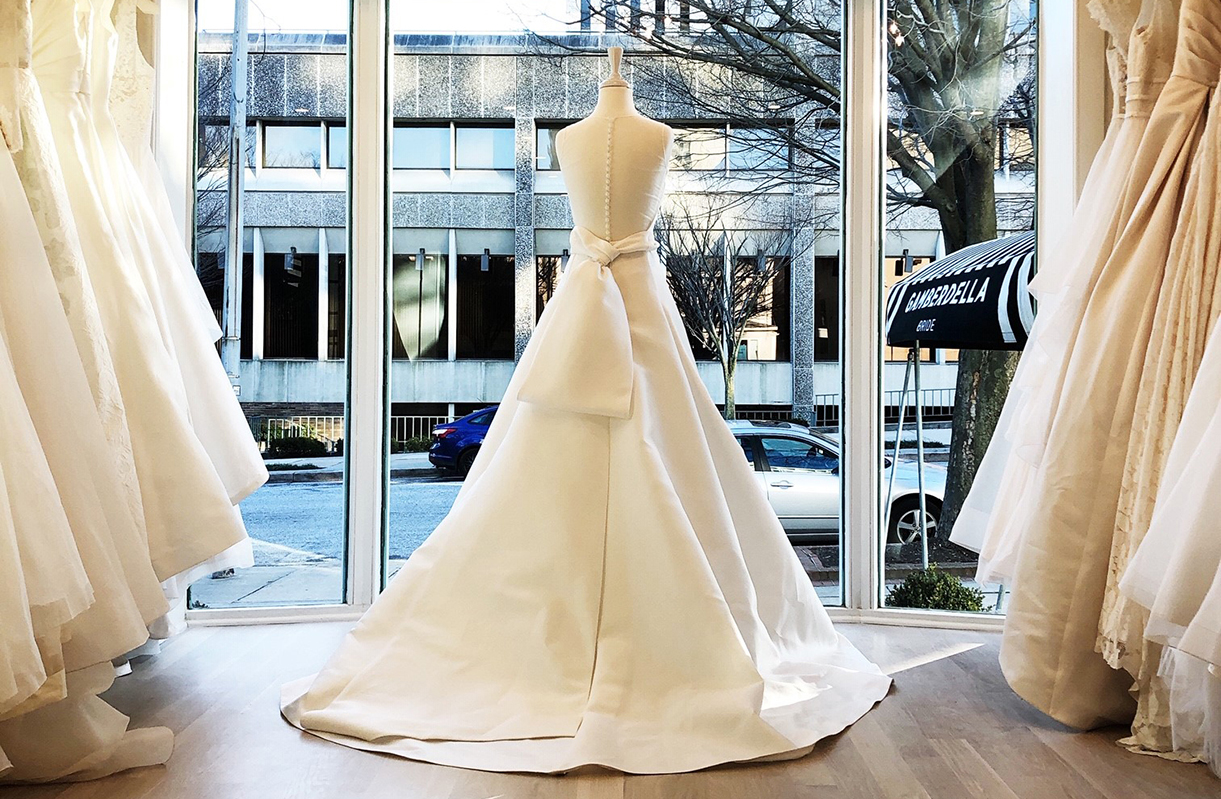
[(1000, 495), (131, 105), (1048, 652), (627, 599), (187, 509), (186, 318)]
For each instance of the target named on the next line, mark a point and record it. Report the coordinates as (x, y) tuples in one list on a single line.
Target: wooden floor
[(950, 728)]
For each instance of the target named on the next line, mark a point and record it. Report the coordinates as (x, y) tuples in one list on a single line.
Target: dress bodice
[(14, 56), (60, 54), (614, 168), (131, 95), (1150, 54), (1197, 54)]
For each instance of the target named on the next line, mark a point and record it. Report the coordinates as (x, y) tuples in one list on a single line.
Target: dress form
[(614, 146)]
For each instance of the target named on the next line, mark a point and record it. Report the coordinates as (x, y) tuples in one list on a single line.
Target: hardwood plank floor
[(950, 728)]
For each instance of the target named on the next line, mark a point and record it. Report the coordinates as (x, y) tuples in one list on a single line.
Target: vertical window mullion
[(366, 442), (860, 349)]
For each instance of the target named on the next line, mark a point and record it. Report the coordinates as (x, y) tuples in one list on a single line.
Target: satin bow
[(582, 348)]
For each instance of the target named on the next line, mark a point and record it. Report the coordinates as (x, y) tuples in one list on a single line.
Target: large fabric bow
[(582, 359)]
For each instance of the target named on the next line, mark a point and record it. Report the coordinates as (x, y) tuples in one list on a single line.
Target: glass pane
[(960, 123), (785, 307), (337, 146), (758, 148), (419, 285), (291, 291), (420, 148), (485, 148), (485, 306), (546, 158), (699, 149), (292, 146)]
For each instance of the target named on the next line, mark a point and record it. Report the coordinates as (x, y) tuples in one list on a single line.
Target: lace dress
[(1048, 652)]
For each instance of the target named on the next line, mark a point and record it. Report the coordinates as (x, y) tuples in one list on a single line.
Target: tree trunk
[(983, 375), (729, 368)]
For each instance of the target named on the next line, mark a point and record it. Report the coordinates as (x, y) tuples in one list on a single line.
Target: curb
[(328, 476)]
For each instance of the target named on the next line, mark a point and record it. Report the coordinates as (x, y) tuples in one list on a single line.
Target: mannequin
[(611, 586), (614, 145)]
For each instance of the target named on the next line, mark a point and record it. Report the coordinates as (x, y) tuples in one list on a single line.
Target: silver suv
[(799, 470)]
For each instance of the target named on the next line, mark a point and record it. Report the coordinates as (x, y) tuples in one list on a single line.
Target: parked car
[(799, 470), (455, 444)]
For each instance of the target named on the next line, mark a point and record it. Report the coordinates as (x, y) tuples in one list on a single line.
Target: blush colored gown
[(611, 586)]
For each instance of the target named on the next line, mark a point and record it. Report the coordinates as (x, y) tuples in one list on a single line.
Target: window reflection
[(297, 146), (420, 286), (420, 147), (484, 148)]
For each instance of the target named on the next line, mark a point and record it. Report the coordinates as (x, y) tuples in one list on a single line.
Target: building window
[(336, 308), (290, 316), (546, 281), (546, 157), (417, 147), (699, 149), (485, 148), (826, 308), (337, 146), (758, 149), (485, 306), (421, 326), (292, 146), (767, 333)]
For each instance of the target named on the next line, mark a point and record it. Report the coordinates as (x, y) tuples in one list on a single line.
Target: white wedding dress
[(611, 586), (188, 508)]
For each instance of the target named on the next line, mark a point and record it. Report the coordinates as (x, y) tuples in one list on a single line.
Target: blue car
[(455, 445)]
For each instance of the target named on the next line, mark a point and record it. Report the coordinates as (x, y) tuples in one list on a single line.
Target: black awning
[(973, 299)]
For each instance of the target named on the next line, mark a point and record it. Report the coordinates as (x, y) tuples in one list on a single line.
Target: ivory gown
[(1175, 574), (186, 318), (131, 104), (187, 508), (627, 599), (1048, 652), (1140, 60)]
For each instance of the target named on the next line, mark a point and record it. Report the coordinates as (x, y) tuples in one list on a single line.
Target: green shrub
[(933, 589), (295, 447), (410, 445)]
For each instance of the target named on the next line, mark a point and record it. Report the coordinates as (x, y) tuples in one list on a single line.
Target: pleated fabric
[(992, 518)]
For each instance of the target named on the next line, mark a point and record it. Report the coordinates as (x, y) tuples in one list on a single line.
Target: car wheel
[(905, 520), (466, 460)]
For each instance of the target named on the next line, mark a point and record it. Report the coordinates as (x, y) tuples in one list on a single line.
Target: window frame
[(1071, 109)]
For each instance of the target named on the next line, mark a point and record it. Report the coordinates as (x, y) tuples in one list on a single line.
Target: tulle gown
[(1140, 62), (611, 586), (187, 508)]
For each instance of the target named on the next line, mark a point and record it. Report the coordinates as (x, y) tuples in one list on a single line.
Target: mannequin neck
[(615, 101)]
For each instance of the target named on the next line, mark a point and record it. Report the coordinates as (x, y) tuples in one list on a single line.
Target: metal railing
[(330, 429)]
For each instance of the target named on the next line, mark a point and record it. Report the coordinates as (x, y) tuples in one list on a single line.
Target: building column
[(324, 295), (803, 325), (258, 302), (523, 209)]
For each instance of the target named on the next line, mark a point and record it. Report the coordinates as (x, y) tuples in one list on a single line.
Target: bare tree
[(723, 279), (953, 65)]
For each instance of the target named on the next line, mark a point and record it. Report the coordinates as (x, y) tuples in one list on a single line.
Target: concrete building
[(480, 222)]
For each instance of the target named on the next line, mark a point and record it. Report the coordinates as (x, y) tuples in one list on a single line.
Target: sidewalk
[(330, 468)]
